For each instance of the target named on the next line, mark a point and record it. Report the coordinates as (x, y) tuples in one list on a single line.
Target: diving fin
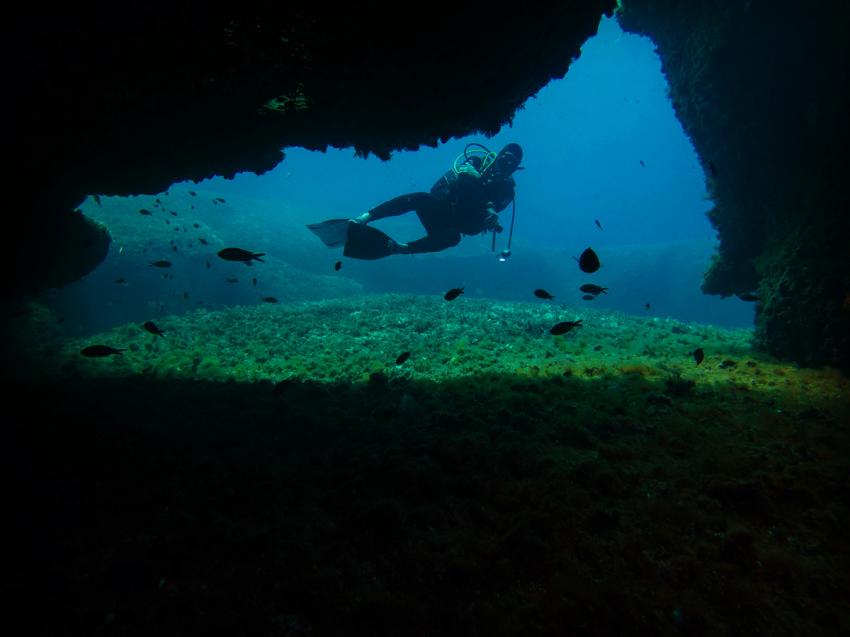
[(332, 232), (365, 242)]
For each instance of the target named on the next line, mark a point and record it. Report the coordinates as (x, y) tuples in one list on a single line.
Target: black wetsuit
[(459, 203)]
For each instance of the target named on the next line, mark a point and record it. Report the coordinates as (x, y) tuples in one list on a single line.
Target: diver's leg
[(433, 215), (400, 205)]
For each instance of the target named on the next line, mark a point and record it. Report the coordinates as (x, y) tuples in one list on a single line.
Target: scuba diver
[(466, 200)]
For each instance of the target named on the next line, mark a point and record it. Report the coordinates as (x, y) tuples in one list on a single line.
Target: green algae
[(534, 474)]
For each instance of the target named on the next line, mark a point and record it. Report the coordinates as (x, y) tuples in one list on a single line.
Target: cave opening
[(606, 164)]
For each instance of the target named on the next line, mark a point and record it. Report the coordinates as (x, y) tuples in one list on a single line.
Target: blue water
[(601, 144)]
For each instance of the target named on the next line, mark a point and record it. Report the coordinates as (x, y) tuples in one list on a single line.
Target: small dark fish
[(590, 288), (121, 280), (268, 299), (193, 193), (185, 296), (151, 327), (96, 351), (588, 261), (564, 327), (157, 201), (174, 248), (452, 294), (208, 265), (712, 169), (646, 306), (337, 265), (698, 355), (167, 222), (596, 221), (173, 213), (543, 294), (402, 357), (254, 281), (220, 200), (232, 279), (161, 264), (641, 163), (749, 296), (238, 254), (97, 199), (196, 225), (203, 241), (144, 211), (588, 297)]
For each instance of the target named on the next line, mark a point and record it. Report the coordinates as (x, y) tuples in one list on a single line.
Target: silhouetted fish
[(232, 279), (337, 265), (208, 265), (151, 327), (452, 294), (596, 221), (646, 306), (254, 281), (202, 240), (590, 288), (749, 296), (641, 163), (543, 294), (402, 357), (712, 169), (238, 254), (698, 355), (219, 200), (145, 211), (588, 261), (97, 199), (268, 299), (588, 297), (121, 280), (193, 193), (564, 327), (96, 351), (161, 264)]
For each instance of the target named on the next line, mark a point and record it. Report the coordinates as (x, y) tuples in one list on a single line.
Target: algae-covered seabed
[(271, 470)]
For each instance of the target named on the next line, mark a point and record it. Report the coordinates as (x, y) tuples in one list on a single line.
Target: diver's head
[(507, 161), (509, 158)]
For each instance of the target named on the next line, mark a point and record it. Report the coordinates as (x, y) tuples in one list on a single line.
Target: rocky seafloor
[(270, 469)]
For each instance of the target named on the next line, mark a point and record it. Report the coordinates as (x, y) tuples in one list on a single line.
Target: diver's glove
[(491, 222), (365, 218)]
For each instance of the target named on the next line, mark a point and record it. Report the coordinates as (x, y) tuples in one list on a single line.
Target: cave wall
[(761, 88)]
